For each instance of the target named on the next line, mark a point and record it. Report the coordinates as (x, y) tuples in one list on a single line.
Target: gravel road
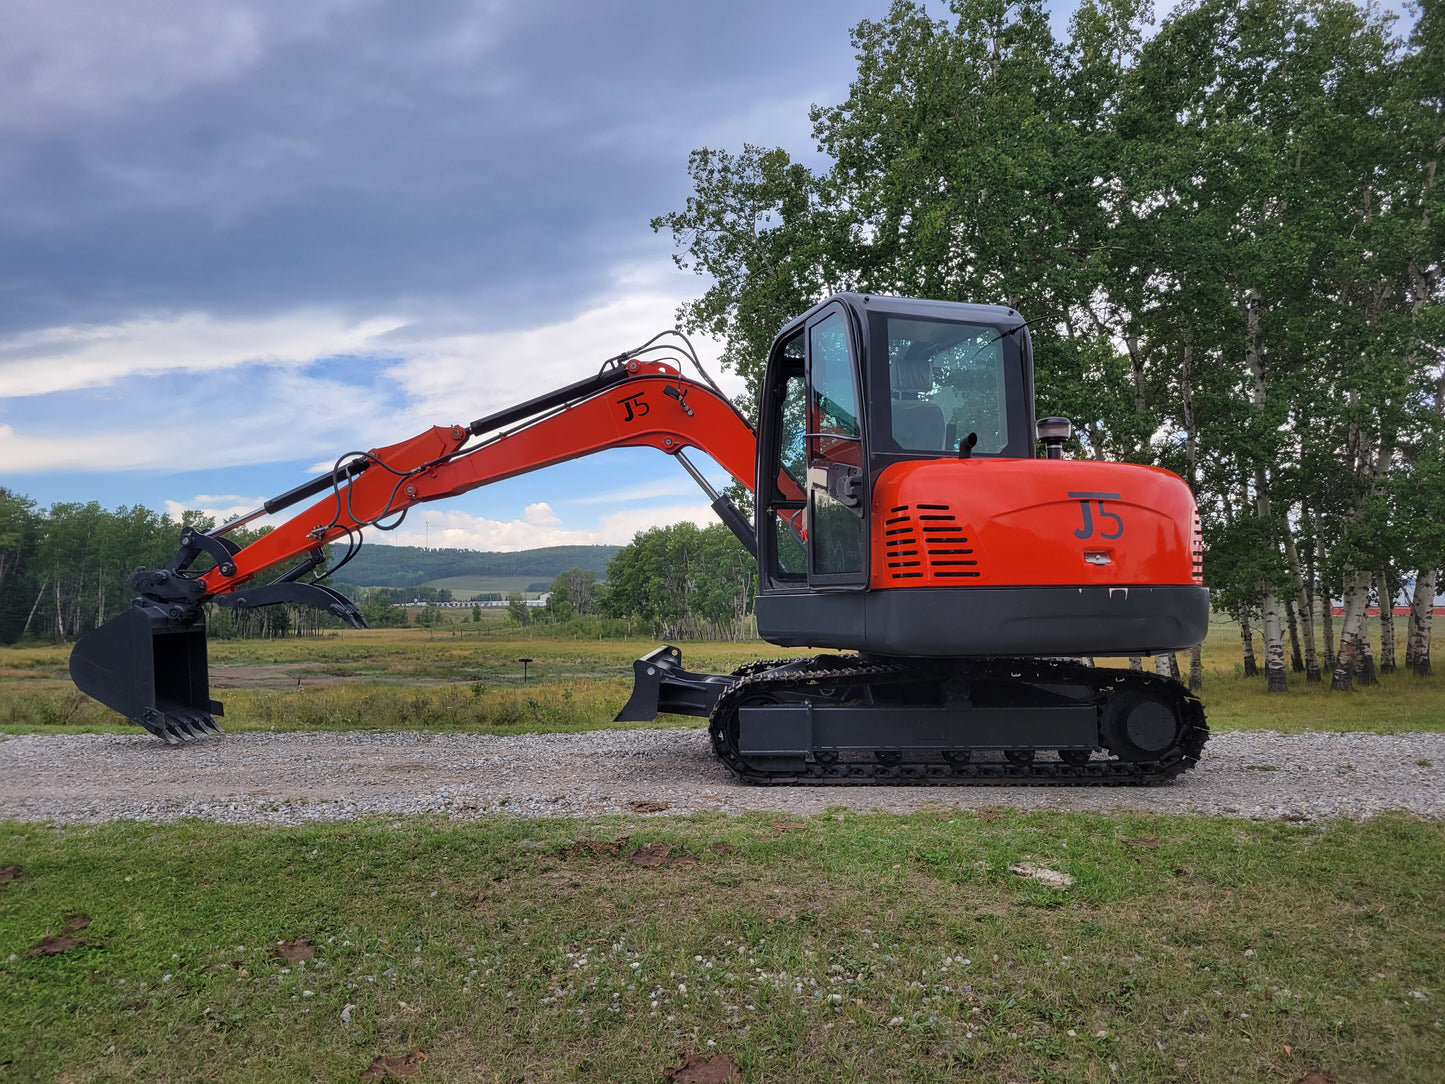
[(260, 778)]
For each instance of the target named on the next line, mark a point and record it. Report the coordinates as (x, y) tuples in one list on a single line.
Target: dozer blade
[(659, 683), (153, 670)]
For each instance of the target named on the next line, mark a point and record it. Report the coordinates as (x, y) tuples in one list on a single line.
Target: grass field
[(842, 947), (465, 675), (464, 587)]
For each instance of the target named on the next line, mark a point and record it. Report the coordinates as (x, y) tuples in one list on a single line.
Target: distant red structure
[(1399, 611)]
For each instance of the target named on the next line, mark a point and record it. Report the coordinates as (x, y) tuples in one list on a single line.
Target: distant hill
[(409, 566)]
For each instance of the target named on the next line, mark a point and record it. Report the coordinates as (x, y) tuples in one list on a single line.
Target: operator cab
[(857, 384)]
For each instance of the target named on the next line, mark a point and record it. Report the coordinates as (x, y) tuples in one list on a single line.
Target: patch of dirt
[(660, 854), (721, 848), (58, 943), (654, 854), (391, 1067), (713, 1069), (271, 676), (294, 951), (11, 873), (647, 806), (584, 847)]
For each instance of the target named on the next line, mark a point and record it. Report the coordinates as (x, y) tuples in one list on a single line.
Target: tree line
[(1227, 235), (677, 582)]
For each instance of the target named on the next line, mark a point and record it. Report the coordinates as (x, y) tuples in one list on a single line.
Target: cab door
[(837, 482)]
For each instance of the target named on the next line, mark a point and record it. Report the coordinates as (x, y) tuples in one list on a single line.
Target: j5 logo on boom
[(1087, 530), (636, 407)]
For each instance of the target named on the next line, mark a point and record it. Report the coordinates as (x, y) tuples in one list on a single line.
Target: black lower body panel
[(989, 621)]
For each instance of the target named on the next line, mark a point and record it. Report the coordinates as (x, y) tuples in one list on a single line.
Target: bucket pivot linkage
[(150, 662)]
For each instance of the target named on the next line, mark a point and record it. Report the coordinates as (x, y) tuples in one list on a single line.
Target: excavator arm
[(150, 663)]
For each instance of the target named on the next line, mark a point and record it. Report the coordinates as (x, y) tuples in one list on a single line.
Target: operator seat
[(917, 423)]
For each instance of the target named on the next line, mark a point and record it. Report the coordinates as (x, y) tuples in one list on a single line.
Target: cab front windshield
[(946, 381)]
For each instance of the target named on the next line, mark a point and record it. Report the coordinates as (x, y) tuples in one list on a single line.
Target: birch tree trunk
[(1296, 660), (1246, 640), (1385, 590), (1274, 671), (1356, 597), (1365, 663), (1422, 613), (1164, 665), (1304, 609), (1191, 468), (1136, 662), (33, 607), (1327, 624)]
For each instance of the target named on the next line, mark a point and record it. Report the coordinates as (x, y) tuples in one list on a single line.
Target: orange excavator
[(903, 521)]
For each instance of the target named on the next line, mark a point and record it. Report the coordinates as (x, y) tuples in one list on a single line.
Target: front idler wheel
[(1140, 725)]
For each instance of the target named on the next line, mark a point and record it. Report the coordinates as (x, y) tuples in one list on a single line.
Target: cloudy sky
[(239, 237)]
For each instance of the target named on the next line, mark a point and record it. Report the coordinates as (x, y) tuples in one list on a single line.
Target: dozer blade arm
[(150, 665)]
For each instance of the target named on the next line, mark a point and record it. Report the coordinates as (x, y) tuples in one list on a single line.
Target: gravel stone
[(293, 778)]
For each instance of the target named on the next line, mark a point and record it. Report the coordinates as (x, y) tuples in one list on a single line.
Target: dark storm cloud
[(495, 157)]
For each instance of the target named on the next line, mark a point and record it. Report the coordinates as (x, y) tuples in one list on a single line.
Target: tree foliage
[(684, 581), (1227, 235)]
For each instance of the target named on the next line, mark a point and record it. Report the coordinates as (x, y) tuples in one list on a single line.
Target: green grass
[(467, 676), (846, 948)]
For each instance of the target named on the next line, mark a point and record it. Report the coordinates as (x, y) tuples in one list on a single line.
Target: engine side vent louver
[(926, 539)]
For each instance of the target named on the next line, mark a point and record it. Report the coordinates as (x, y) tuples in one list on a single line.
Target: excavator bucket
[(153, 670)]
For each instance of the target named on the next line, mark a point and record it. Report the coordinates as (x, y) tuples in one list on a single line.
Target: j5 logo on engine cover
[(1087, 530), (635, 405)]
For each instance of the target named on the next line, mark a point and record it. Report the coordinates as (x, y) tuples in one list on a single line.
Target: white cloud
[(284, 413), (283, 425), (460, 530), (69, 358), (489, 371), (541, 515)]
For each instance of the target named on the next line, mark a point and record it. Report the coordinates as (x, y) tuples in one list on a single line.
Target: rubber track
[(805, 675)]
